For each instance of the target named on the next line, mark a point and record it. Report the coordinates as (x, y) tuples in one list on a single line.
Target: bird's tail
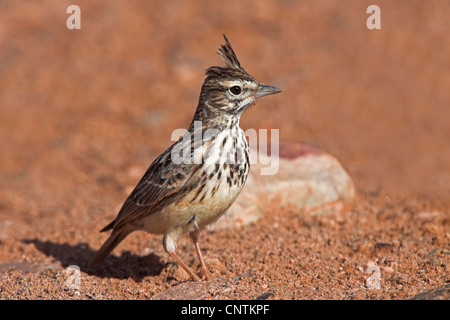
[(114, 239)]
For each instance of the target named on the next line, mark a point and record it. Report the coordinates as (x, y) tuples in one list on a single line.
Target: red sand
[(84, 112)]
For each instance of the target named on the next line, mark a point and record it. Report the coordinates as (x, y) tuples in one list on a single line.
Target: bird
[(192, 184)]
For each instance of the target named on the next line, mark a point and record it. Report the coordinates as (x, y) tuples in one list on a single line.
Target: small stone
[(428, 216), (388, 270)]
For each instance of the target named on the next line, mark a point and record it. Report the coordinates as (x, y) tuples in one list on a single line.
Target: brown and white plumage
[(174, 197)]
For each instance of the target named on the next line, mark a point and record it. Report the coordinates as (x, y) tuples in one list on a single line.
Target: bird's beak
[(266, 90)]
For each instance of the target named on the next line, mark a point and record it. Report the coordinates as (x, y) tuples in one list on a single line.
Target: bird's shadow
[(128, 265)]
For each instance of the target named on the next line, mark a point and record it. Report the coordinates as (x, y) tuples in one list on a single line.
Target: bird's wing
[(163, 183)]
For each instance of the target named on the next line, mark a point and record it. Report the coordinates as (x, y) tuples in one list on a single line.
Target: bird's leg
[(194, 237), (182, 264)]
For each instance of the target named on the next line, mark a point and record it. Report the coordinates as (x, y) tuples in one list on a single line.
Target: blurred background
[(84, 112)]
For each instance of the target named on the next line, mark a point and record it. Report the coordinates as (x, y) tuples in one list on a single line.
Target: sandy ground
[(84, 112)]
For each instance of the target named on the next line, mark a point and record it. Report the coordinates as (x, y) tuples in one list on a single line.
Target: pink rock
[(303, 176)]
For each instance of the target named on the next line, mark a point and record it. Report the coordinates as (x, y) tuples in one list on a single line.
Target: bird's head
[(230, 90)]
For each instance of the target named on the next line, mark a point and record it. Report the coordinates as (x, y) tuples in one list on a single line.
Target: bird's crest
[(232, 67), (228, 56)]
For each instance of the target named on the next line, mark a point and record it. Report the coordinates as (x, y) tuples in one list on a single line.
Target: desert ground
[(83, 113)]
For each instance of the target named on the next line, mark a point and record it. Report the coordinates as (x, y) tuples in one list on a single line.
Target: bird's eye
[(235, 90)]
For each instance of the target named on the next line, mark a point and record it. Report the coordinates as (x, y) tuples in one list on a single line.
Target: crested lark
[(177, 197)]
